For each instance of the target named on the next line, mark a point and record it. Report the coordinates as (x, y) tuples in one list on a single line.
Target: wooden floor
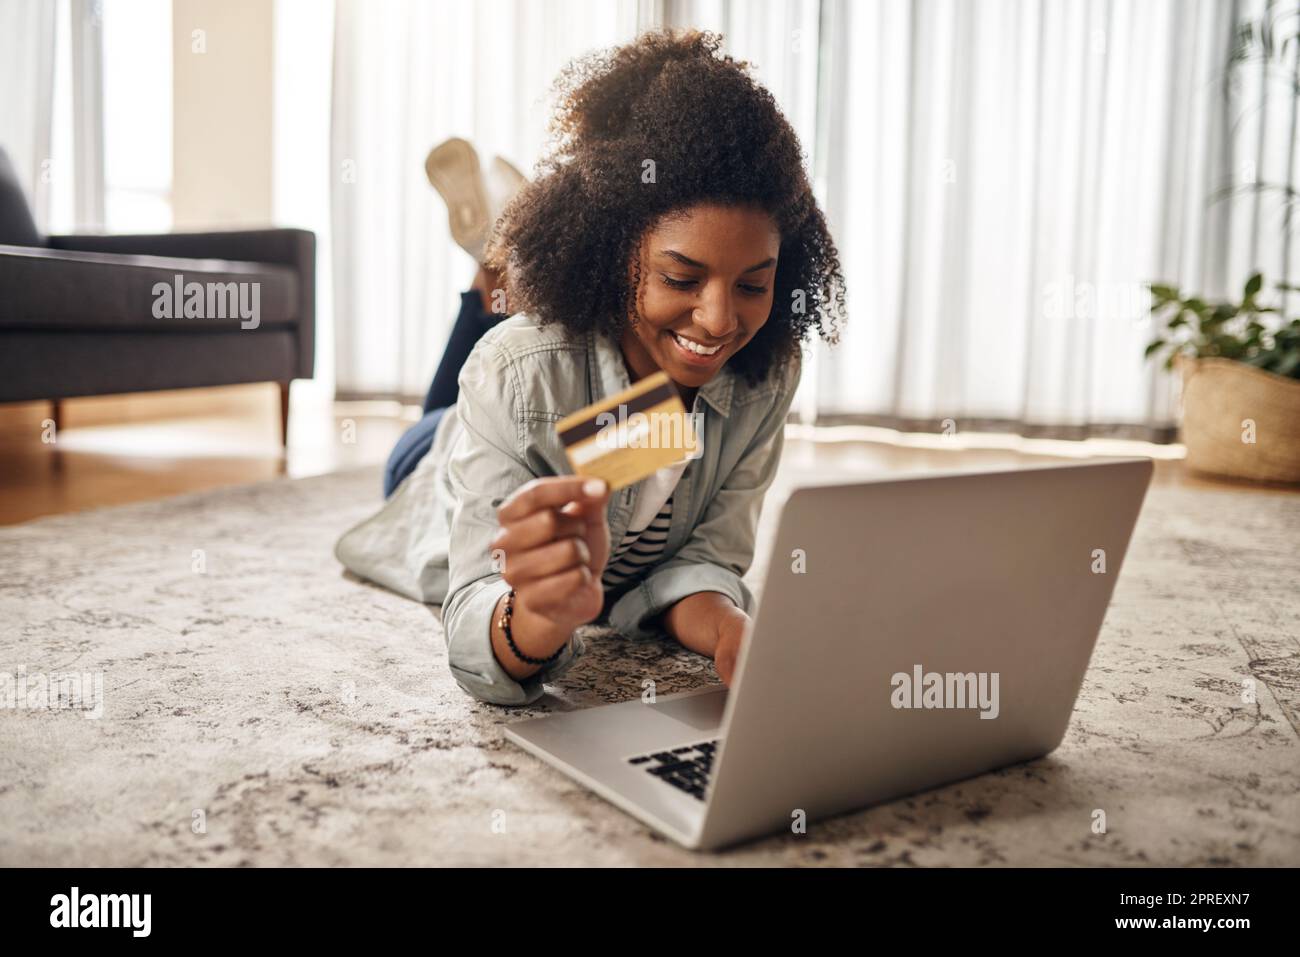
[(123, 449), (113, 451)]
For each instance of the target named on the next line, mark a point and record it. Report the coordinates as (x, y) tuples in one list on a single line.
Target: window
[(137, 78), (112, 92)]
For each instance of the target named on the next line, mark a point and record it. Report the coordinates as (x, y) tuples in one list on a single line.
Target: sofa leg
[(284, 414)]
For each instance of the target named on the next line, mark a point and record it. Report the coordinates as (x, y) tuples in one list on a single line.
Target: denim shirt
[(430, 540)]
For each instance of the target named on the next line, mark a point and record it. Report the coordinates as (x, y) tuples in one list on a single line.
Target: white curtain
[(407, 76), (86, 41), (1002, 178), (27, 34), (1038, 164), (52, 110)]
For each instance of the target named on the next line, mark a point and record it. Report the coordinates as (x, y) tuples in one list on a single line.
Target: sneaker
[(503, 181), (453, 169)]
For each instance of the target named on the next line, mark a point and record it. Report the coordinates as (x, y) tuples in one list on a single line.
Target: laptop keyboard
[(687, 767)]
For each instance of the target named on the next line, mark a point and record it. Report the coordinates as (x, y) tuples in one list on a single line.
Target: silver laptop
[(911, 632)]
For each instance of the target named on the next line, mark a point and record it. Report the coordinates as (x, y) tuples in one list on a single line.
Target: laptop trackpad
[(702, 711)]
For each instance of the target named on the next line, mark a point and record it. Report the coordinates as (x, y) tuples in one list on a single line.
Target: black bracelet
[(504, 622)]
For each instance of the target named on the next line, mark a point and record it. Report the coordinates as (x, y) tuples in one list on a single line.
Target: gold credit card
[(628, 436)]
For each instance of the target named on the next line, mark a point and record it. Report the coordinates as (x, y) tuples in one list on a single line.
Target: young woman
[(671, 227)]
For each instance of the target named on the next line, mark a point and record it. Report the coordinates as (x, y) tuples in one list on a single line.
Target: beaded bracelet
[(504, 623)]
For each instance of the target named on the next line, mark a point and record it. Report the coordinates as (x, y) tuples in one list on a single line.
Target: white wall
[(222, 144)]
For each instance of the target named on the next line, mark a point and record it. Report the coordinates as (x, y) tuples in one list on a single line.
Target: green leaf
[(1290, 364), (1221, 314), (1230, 347), (1152, 347), (1254, 284)]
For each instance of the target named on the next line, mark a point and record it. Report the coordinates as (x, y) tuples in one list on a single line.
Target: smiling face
[(707, 277)]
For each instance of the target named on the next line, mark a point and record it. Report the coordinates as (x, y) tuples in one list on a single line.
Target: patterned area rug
[(260, 707)]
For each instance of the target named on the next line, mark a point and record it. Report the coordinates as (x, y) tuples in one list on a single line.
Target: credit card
[(628, 436)]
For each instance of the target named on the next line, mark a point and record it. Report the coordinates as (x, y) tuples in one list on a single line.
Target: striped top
[(639, 549), (647, 532)]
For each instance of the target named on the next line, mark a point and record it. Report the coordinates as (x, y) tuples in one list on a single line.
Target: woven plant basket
[(1221, 398)]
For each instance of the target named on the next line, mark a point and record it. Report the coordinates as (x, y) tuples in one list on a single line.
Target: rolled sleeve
[(473, 663), (486, 464), (720, 549)]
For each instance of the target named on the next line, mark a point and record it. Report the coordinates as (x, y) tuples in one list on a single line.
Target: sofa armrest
[(295, 248)]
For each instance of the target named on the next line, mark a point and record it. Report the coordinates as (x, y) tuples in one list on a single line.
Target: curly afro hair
[(569, 243)]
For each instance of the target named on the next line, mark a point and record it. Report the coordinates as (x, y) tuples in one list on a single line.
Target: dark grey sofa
[(82, 315)]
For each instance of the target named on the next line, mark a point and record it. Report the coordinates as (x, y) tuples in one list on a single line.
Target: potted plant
[(1240, 369), (1240, 361)]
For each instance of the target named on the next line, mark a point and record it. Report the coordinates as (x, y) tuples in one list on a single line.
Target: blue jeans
[(469, 327), (410, 448)]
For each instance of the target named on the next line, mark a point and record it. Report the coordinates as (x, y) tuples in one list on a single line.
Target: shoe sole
[(453, 170)]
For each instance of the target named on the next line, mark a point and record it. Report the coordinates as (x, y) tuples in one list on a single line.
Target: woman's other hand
[(732, 630), (709, 623)]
